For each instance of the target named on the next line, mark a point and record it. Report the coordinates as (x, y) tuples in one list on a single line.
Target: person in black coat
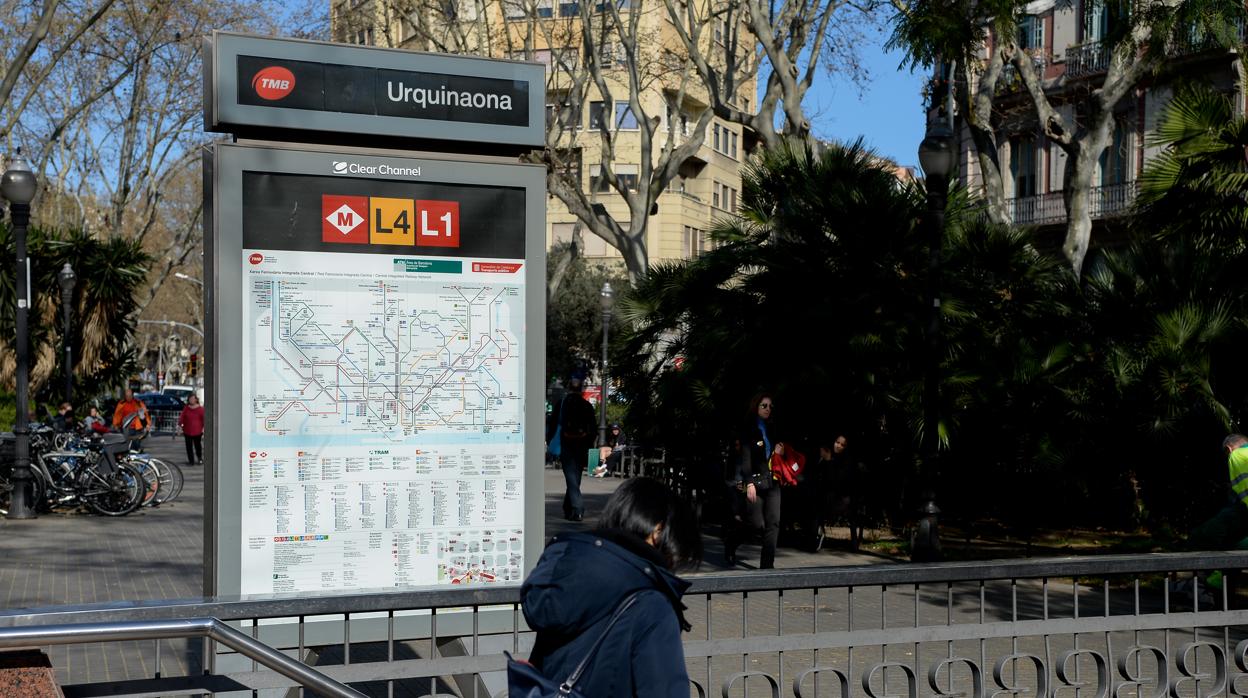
[(759, 508), (574, 422), (644, 533)]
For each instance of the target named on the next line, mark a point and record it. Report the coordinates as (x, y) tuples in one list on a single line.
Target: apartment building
[(708, 186), (1066, 43)]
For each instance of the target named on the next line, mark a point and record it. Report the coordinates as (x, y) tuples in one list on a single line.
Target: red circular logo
[(273, 83), (256, 258)]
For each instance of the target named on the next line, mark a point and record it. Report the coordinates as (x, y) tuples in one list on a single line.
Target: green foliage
[(110, 272), (1062, 402), (574, 315)]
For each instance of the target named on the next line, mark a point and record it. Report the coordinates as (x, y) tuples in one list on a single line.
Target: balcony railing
[(1087, 59), (1194, 40), (1012, 81), (1046, 209)]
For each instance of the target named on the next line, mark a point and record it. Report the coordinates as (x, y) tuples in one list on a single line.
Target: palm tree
[(1198, 186)]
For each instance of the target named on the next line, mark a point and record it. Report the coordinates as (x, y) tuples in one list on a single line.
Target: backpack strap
[(566, 687)]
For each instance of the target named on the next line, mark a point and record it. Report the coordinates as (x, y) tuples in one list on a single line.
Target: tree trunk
[(990, 173)]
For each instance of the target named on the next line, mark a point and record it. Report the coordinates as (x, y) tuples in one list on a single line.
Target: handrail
[(211, 628), (718, 582)]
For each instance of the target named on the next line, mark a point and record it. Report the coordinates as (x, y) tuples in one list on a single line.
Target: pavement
[(70, 558)]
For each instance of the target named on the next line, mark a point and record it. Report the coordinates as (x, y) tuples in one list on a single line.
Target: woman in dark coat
[(760, 509), (580, 579)]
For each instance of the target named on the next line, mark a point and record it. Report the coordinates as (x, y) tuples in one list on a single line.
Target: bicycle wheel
[(171, 480), (6, 493), (113, 495), (151, 479)]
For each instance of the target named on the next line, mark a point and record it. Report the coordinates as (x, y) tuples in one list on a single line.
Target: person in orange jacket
[(131, 419)]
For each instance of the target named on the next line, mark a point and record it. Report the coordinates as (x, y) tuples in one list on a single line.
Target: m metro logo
[(343, 219), (379, 220), (273, 83)]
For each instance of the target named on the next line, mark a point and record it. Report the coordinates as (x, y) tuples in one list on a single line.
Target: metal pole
[(927, 539), (606, 379), (67, 298), (20, 504)]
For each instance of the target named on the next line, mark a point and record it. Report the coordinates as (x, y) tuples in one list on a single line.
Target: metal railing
[(1087, 59), (1050, 627), (1045, 209), (211, 628), (1012, 81)]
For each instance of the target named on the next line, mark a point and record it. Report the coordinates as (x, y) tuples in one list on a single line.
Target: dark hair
[(640, 504), (1234, 441), (754, 401)]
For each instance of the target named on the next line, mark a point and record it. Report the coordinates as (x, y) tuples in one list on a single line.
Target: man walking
[(574, 429)]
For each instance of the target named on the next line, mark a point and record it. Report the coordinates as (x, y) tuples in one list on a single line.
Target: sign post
[(377, 320)]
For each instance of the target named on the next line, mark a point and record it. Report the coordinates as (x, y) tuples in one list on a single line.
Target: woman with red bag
[(760, 508)]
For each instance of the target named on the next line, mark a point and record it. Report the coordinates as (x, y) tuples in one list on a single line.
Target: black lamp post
[(67, 278), (607, 296), (18, 186), (936, 156)]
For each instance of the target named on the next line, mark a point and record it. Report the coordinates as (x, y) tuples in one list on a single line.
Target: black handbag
[(525, 681)]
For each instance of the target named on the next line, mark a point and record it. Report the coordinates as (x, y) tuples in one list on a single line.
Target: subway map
[(385, 360)]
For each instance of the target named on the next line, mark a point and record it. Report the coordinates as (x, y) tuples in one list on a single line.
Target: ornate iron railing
[(1046, 209), (1096, 626), (1087, 59)]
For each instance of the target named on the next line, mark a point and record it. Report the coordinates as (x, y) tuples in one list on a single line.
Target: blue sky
[(887, 113)]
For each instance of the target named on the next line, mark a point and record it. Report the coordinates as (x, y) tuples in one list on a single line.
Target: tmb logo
[(273, 83), (256, 258)]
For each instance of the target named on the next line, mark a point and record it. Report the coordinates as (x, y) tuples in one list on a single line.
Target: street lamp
[(187, 277), (67, 278), (607, 296), (936, 156), (19, 186)]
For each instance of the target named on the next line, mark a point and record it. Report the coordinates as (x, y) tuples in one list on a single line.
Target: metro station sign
[(263, 85)]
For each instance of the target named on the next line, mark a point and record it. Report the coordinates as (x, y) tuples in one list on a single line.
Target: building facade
[(1066, 44), (580, 99)]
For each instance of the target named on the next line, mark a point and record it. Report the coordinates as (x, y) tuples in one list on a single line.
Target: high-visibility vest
[(1238, 464)]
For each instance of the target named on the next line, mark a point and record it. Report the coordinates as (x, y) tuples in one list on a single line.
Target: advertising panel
[(379, 329)]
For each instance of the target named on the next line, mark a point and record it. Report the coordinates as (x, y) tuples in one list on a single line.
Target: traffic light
[(192, 368)]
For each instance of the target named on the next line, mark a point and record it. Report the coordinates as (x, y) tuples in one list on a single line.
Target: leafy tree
[(574, 314)]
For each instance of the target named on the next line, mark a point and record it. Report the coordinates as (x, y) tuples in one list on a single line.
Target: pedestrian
[(1228, 529), (574, 432), (582, 579), (833, 486), (130, 418), (191, 422), (64, 419), (758, 506), (93, 423)]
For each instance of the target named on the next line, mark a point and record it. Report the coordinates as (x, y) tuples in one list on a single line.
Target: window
[(514, 9), (1116, 159), (596, 120), (1031, 33), (569, 9), (561, 233), (1023, 165), (720, 28), (627, 174), (723, 196), (693, 242), (724, 140), (560, 111), (624, 116)]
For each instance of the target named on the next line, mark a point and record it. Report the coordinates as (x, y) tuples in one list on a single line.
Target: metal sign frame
[(224, 112), (224, 165)]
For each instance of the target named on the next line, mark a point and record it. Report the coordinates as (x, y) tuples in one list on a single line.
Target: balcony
[(1087, 59), (1012, 81), (1193, 41), (1109, 201)]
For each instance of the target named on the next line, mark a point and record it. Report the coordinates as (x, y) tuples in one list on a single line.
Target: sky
[(886, 111)]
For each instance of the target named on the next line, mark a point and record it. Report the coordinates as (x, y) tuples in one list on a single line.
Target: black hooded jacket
[(572, 592)]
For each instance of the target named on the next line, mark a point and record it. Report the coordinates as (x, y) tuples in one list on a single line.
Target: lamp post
[(19, 186), (67, 279), (607, 297), (936, 156)]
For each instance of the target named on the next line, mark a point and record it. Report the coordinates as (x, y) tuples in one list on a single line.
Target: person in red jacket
[(191, 422)]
